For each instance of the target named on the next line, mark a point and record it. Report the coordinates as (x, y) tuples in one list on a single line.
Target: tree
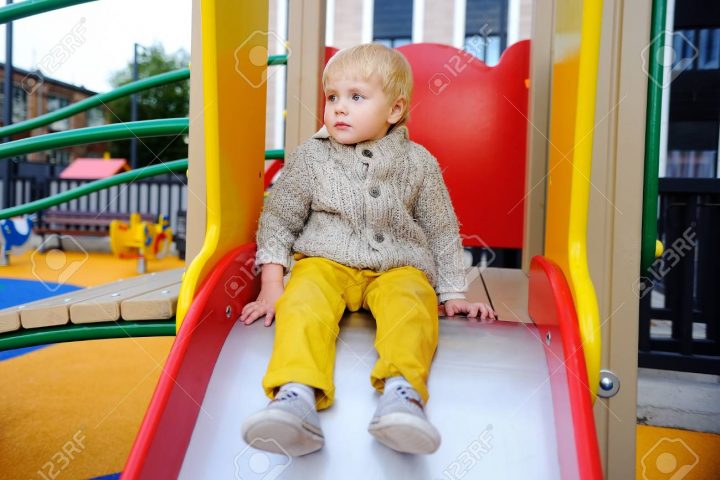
[(168, 101)]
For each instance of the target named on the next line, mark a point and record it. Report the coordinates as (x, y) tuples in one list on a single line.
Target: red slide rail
[(165, 432), (551, 308)]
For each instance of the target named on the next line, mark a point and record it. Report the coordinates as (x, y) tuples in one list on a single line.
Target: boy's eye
[(356, 97)]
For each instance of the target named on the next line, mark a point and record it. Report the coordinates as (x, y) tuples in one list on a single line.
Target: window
[(95, 117), (392, 22), (56, 102), (696, 49), (709, 49), (59, 156), (691, 163), (486, 29), (19, 105)]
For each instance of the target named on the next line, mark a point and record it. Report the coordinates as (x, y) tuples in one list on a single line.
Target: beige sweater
[(378, 204)]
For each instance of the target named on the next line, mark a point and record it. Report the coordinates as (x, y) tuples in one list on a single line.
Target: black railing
[(679, 305)]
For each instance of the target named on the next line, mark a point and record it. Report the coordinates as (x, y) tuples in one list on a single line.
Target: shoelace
[(403, 391), (285, 395)]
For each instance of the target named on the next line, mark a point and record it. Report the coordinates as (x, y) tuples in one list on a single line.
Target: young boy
[(368, 218)]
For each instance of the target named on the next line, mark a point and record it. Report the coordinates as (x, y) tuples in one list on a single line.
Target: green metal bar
[(274, 154), (94, 186), (73, 333), (277, 60), (29, 8), (96, 100), (126, 177), (101, 98), (652, 134), (104, 133)]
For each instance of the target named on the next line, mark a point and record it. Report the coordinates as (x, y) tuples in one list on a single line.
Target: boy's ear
[(397, 109)]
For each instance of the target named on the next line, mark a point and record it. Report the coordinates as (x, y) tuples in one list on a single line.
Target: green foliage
[(168, 101)]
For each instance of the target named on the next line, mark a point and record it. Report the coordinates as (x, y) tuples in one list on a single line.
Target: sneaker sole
[(281, 432), (405, 433)]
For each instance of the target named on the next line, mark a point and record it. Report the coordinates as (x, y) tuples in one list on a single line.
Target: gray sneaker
[(400, 422), (292, 424)]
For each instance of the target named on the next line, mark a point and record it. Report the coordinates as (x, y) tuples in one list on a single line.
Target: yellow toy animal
[(140, 239)]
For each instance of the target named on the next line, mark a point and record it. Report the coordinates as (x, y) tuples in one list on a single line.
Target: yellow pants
[(307, 315)]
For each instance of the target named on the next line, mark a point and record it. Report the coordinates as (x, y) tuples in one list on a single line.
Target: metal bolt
[(548, 338), (228, 311), (609, 384), (606, 384)]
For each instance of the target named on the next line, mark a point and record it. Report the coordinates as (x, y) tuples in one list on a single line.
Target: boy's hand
[(264, 305), (471, 309)]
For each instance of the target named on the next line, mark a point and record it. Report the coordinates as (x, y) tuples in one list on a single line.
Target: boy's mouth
[(341, 125)]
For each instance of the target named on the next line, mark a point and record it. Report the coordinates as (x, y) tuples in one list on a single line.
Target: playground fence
[(161, 195), (680, 311)]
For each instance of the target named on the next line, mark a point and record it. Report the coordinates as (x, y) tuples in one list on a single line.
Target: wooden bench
[(146, 297), (72, 223)]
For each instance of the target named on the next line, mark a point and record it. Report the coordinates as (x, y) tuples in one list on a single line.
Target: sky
[(84, 44)]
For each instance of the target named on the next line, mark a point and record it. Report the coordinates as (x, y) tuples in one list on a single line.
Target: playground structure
[(568, 315), (14, 236), (141, 240)]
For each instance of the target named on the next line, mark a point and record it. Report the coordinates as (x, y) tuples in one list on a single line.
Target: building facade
[(485, 28), (35, 95)]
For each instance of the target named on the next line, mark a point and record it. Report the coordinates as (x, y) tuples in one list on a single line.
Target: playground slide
[(509, 398)]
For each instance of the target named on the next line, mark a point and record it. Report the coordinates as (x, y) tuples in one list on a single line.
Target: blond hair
[(370, 59)]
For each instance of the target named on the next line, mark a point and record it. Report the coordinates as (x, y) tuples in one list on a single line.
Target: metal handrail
[(96, 100), (104, 133), (102, 184), (72, 332), (94, 186), (29, 8), (652, 135)]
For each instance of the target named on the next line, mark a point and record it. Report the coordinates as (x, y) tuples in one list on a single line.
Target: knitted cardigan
[(377, 204)]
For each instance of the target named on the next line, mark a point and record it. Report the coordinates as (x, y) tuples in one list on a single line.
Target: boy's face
[(358, 110)]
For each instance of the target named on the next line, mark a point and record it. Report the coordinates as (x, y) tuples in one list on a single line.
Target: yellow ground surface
[(73, 409), (79, 268), (667, 453)]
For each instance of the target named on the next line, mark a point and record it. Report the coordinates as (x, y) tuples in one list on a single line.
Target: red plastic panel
[(473, 118), (551, 307), (164, 435)]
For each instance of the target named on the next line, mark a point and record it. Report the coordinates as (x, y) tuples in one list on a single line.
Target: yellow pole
[(234, 52), (576, 46)]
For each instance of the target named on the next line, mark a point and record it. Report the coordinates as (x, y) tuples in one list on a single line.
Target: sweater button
[(374, 192), (367, 153), (379, 237)]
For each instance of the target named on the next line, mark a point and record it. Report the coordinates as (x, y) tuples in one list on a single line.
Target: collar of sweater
[(391, 145)]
